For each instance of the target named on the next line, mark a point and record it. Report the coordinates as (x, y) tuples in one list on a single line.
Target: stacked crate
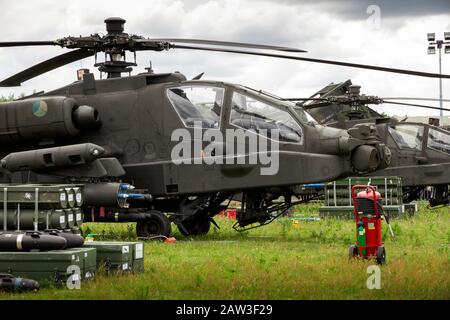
[(41, 207), (338, 196)]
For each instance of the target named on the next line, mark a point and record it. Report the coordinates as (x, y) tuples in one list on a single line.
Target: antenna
[(149, 68)]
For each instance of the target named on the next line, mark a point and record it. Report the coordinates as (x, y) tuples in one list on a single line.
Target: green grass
[(278, 261)]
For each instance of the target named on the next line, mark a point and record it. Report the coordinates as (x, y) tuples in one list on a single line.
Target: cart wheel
[(381, 255), (352, 251)]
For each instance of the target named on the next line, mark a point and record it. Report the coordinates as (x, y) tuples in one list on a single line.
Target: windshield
[(252, 114), (196, 105), (304, 116), (438, 140), (408, 136)]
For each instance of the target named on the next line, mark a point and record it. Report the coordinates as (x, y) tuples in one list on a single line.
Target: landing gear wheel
[(352, 252), (195, 227), (156, 224), (381, 255)]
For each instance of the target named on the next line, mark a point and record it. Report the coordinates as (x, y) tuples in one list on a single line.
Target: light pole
[(432, 44)]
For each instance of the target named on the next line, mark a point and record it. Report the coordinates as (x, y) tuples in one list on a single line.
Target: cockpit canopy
[(198, 105), (201, 105), (418, 137)]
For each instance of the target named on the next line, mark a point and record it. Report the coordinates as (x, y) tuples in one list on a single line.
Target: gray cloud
[(356, 9)]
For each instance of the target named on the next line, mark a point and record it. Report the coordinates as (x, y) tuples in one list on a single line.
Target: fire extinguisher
[(368, 211)]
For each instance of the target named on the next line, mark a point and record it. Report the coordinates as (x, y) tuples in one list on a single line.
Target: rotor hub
[(115, 25), (115, 43)]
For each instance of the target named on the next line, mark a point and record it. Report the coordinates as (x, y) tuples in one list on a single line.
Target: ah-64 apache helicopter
[(119, 129), (420, 152)]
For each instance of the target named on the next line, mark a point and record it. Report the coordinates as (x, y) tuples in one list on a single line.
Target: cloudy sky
[(379, 32)]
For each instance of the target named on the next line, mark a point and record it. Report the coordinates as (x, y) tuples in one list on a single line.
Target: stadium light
[(431, 49), (447, 36), (434, 44)]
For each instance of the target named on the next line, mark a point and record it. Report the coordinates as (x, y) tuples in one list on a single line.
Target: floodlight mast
[(432, 44)]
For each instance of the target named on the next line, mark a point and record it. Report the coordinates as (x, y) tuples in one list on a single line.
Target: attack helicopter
[(420, 152), (95, 132)]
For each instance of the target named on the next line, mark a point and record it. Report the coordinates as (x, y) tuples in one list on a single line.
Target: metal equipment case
[(115, 256), (50, 266)]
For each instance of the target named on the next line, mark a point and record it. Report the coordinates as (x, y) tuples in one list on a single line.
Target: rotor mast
[(115, 57)]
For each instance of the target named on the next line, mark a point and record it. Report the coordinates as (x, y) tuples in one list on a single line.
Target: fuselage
[(138, 120)]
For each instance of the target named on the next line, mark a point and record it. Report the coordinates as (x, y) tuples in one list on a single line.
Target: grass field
[(279, 261)]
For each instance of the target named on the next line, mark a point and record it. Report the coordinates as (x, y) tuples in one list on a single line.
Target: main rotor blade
[(339, 63), (306, 99), (27, 43), (228, 44), (325, 103), (415, 105), (46, 66), (412, 98), (316, 105)]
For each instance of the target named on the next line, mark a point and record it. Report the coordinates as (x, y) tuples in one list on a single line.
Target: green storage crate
[(48, 196), (138, 256), (338, 193), (90, 261), (50, 266), (346, 212), (338, 201), (115, 256)]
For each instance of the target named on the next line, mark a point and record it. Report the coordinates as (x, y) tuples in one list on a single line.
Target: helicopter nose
[(365, 158), (368, 158)]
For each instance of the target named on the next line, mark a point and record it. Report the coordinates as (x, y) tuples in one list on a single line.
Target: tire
[(352, 252), (156, 224), (381, 255), (195, 227)]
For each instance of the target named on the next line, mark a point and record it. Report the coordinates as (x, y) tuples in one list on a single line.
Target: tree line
[(10, 97)]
